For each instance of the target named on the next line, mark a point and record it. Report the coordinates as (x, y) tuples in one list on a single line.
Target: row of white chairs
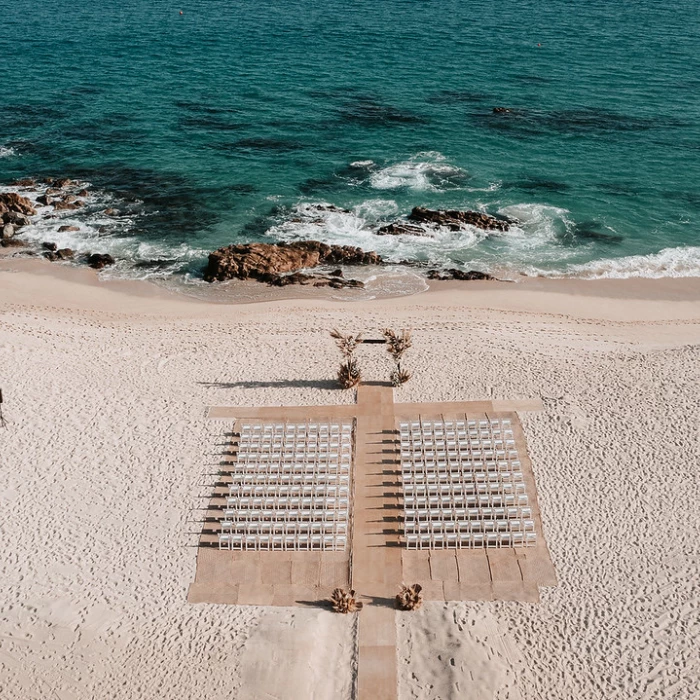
[(454, 438), (451, 476), (275, 489), (470, 540), (302, 541), (456, 423), (460, 513), (285, 528), (471, 526), (492, 500), (461, 462), (296, 439), (459, 491), (465, 466), (292, 453), (289, 480), (461, 449), (296, 468), (290, 429), (298, 464), (291, 501), (292, 514), (495, 444)]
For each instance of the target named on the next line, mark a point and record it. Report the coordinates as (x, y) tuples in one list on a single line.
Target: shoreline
[(106, 386), (31, 281)]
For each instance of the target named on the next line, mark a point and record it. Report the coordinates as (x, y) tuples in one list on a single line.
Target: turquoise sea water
[(224, 123)]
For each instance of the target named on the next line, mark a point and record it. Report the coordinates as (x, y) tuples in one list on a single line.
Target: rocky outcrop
[(12, 243), (111, 212), (261, 260), (455, 220), (68, 203), (7, 231), (13, 202), (458, 275), (60, 183), (16, 219), (303, 279), (400, 229), (502, 110), (64, 229), (99, 260), (58, 255)]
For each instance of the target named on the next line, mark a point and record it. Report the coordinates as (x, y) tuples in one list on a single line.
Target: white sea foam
[(7, 152), (362, 164), (358, 227), (669, 262), (426, 171), (98, 232)]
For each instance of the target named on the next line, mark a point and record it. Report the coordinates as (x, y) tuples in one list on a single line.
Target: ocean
[(211, 123)]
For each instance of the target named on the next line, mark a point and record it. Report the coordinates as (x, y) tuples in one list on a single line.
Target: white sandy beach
[(107, 448)]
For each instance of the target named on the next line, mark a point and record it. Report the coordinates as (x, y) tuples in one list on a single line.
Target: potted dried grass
[(409, 597), (344, 601), (397, 345), (349, 374)]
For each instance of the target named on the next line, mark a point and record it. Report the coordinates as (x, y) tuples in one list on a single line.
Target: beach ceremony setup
[(350, 351), (361, 499)]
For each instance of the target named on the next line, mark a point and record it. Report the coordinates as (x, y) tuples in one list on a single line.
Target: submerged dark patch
[(586, 231), (535, 184), (373, 113)]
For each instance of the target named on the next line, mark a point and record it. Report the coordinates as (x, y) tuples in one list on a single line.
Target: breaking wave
[(424, 172)]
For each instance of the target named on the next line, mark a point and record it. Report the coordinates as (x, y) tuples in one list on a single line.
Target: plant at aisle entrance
[(344, 601), (397, 345), (349, 374), (409, 597)]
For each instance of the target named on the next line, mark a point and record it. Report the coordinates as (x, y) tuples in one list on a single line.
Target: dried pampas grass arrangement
[(397, 345), (349, 374), (409, 597), (344, 601)]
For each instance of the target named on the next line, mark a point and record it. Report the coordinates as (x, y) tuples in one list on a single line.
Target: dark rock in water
[(301, 278), (502, 110), (341, 284), (400, 229), (44, 200), (99, 260), (68, 198), (7, 232), (276, 280), (260, 260), (12, 243), (49, 246), (328, 207), (111, 212), (11, 201), (459, 275), (337, 273), (62, 183), (63, 206), (82, 193), (53, 190), (455, 220), (16, 219), (63, 229), (25, 182), (61, 254)]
